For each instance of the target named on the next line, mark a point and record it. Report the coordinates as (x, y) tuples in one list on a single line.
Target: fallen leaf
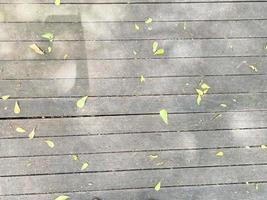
[(148, 20), (155, 46), (134, 52), (48, 36), (157, 187), (81, 102), (84, 166), (49, 49), (223, 105), (50, 143), (62, 198), (149, 28), (253, 67), (159, 52), (57, 2), (5, 97), (20, 130), (16, 108), (200, 92), (263, 146), (199, 98), (136, 27), (205, 88), (37, 49), (32, 134), (66, 56), (184, 25), (153, 157), (75, 157), (220, 154), (164, 115), (142, 79)]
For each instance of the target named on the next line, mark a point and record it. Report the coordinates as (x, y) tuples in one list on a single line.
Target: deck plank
[(132, 12), (132, 124)]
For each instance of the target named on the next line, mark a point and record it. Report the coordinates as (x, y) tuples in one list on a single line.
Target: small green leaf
[(5, 97), (205, 88), (50, 143), (220, 154), (32, 134), (157, 187), (223, 105), (37, 49), (57, 2), (16, 108), (200, 92), (164, 115), (155, 46), (142, 79), (81, 102), (148, 20), (48, 36), (62, 198), (153, 157), (199, 98), (75, 157), (136, 27), (159, 52), (20, 130), (84, 166)]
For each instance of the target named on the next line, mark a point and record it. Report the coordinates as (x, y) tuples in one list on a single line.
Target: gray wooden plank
[(124, 49), (122, 1), (131, 86), (218, 192), (130, 124), (130, 161), (134, 179), (132, 12), (61, 107), (126, 30), (51, 69), (132, 142)]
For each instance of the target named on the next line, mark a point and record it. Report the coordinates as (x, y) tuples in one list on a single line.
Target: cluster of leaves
[(37, 49), (204, 88)]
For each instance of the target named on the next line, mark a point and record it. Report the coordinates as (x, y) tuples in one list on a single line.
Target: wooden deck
[(98, 52)]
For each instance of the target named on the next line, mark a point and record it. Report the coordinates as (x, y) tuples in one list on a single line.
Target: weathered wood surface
[(132, 86), (52, 69), (127, 31), (134, 124), (124, 50), (119, 128), (129, 12), (220, 192), (60, 107)]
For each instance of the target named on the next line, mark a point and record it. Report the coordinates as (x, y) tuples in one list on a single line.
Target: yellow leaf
[(66, 56), (153, 157), (223, 105), (50, 143), (157, 187), (84, 166), (205, 88), (49, 49), (199, 98), (199, 92), (220, 154), (148, 20), (57, 2), (75, 157), (37, 49), (136, 27), (164, 115), (142, 79), (159, 52), (81, 102), (5, 97), (253, 67), (16, 108), (32, 134), (263, 146), (20, 130), (155, 46), (49, 36), (62, 198)]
